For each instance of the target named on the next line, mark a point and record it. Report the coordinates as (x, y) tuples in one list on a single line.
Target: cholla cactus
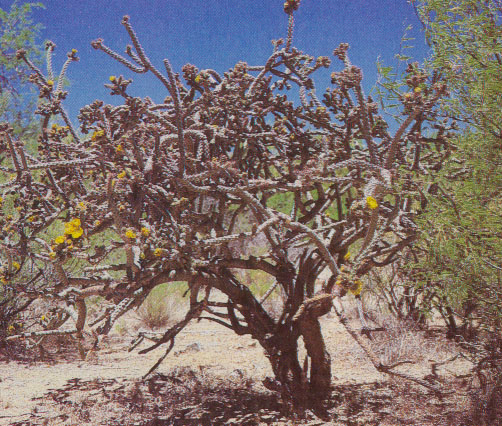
[(166, 186)]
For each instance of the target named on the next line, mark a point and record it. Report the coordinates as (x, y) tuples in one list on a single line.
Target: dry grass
[(163, 306)]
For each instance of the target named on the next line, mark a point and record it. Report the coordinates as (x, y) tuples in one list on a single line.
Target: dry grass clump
[(162, 307)]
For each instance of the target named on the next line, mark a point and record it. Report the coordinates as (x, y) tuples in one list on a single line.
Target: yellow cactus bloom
[(16, 265), (42, 317), (1, 200), (3, 280), (119, 148), (142, 255), (112, 78), (60, 239), (347, 256), (81, 206), (158, 252), (73, 228), (52, 255), (50, 83), (197, 79), (417, 90), (97, 222), (371, 202), (122, 174), (11, 329), (357, 288), (31, 219), (130, 234), (97, 134), (145, 231), (74, 51)]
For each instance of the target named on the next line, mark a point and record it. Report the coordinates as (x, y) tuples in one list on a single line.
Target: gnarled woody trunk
[(301, 384)]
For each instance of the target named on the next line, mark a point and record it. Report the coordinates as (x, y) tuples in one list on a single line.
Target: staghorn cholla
[(177, 189)]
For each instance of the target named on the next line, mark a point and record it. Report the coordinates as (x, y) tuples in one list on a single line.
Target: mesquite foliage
[(148, 193)]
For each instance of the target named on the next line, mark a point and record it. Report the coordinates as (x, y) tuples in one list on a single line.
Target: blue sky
[(216, 34)]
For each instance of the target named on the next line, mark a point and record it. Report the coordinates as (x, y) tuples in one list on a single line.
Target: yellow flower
[(197, 79), (357, 288), (145, 231), (121, 208), (122, 174), (31, 219), (347, 256), (417, 89), (81, 206), (119, 148), (42, 317), (97, 222), (16, 265), (11, 329), (343, 268), (73, 228), (3, 280), (97, 134), (408, 95), (142, 255), (52, 255), (9, 217), (371, 202), (112, 78), (158, 252), (130, 234), (60, 239), (74, 51), (50, 83)]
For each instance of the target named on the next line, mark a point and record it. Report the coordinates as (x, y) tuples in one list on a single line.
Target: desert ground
[(212, 376)]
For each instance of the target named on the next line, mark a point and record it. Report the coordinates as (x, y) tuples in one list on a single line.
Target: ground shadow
[(186, 397)]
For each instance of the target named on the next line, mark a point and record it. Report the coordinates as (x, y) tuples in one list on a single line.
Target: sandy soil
[(220, 361)]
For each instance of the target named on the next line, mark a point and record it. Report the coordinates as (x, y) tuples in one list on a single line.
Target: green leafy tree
[(17, 103), (17, 98), (463, 227), (461, 240)]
